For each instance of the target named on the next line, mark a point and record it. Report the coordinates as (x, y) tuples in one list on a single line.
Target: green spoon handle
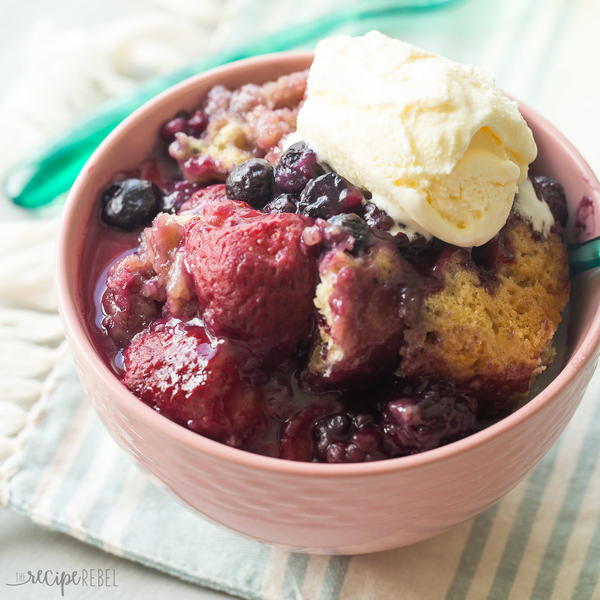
[(584, 257), (40, 180)]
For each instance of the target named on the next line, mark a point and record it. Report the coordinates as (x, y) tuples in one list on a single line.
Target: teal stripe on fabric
[(80, 468), (43, 445), (522, 525), (590, 570), (563, 526), (334, 577), (295, 572), (212, 556), (536, 85), (471, 554), (105, 500)]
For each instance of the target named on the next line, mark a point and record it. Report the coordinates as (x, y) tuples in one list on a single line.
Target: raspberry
[(193, 205), (254, 277), (194, 380), (127, 309)]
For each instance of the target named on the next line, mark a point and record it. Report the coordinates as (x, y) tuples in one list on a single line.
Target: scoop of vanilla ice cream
[(439, 146)]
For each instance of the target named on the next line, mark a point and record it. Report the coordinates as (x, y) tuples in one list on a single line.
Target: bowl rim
[(82, 346)]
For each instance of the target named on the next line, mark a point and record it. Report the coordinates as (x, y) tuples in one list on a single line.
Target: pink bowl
[(348, 508)]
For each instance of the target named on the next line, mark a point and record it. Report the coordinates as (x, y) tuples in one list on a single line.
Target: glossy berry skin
[(130, 204), (177, 124), (254, 277), (377, 218), (194, 380), (296, 440), (360, 231), (329, 195), (296, 167), (211, 194), (347, 437), (553, 193), (177, 194), (421, 414), (284, 203), (196, 124), (251, 182)]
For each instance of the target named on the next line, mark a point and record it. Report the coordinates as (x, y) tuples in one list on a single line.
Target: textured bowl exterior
[(318, 507)]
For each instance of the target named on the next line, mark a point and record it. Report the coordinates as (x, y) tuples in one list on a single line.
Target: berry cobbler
[(342, 265)]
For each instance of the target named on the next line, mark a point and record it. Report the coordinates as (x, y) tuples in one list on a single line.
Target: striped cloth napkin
[(59, 467)]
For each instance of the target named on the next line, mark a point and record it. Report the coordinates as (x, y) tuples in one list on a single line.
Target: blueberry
[(130, 204), (377, 218), (421, 414), (357, 226), (284, 203), (329, 195), (296, 167), (553, 193), (251, 182)]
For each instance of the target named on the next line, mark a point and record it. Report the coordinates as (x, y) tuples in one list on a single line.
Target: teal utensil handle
[(40, 180), (584, 257)]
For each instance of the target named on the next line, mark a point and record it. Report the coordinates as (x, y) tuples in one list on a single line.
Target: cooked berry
[(421, 414), (194, 380), (348, 437), (377, 218), (553, 193), (203, 169), (284, 203), (178, 124), (251, 182), (329, 195), (178, 193), (208, 194), (296, 167), (357, 226), (254, 277), (130, 204), (197, 123)]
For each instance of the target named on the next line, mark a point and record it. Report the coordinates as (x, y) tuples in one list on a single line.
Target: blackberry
[(421, 414), (348, 437)]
